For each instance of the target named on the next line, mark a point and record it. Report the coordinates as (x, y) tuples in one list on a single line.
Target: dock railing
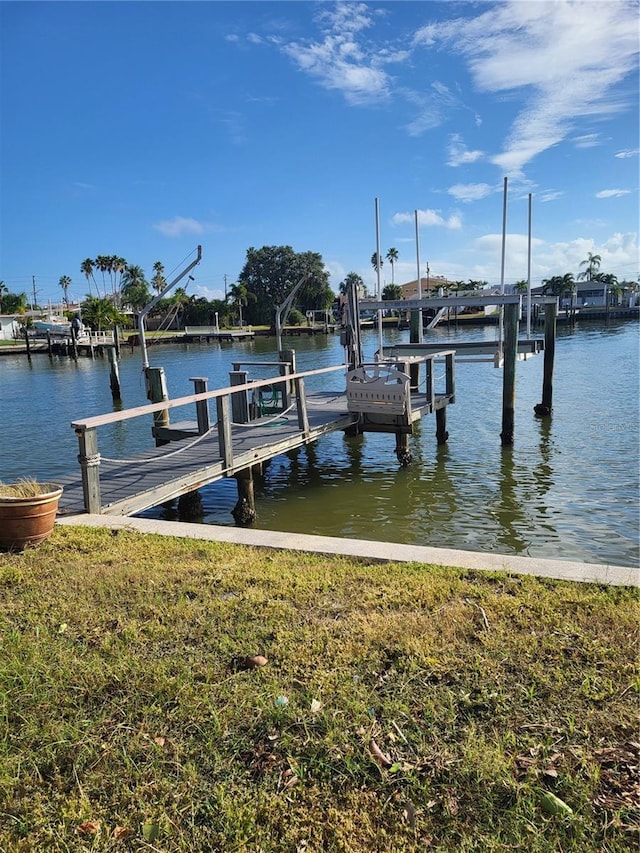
[(87, 429)]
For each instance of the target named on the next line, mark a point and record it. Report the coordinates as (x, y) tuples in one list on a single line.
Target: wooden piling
[(157, 393), (116, 339), (74, 343), (114, 375), (200, 386), (244, 512), (402, 448), (544, 408), (415, 338), (510, 354), (28, 344), (89, 460), (190, 506), (441, 425)]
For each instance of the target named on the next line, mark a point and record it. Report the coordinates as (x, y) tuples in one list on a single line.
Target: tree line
[(266, 279)]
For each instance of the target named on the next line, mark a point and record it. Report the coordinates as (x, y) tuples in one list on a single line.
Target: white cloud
[(339, 62), (550, 195), (566, 57), (429, 218), (619, 256), (459, 154), (622, 155), (612, 193), (470, 192), (587, 140), (178, 226)]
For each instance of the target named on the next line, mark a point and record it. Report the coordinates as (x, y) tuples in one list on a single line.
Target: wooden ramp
[(159, 474), (243, 435)]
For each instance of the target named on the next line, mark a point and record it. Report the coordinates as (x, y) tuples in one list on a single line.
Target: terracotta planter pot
[(28, 521)]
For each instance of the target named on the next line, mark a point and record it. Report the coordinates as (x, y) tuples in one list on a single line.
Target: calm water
[(567, 489)]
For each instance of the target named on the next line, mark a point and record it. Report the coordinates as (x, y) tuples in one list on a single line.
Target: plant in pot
[(27, 513)]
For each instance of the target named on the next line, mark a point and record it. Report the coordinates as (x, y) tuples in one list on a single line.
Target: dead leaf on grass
[(122, 832), (88, 827), (380, 757)]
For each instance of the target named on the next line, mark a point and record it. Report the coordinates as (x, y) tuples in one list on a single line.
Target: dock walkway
[(245, 432)]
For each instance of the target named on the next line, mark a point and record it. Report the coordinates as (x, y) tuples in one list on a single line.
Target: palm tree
[(158, 282), (86, 268), (117, 266), (592, 264), (239, 294), (65, 283), (102, 263), (3, 289), (520, 286), (352, 278), (559, 285), (376, 261), (392, 257)]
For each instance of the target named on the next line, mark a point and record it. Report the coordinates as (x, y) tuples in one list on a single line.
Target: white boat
[(55, 325)]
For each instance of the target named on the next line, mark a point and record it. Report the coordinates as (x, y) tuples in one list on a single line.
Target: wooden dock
[(194, 454)]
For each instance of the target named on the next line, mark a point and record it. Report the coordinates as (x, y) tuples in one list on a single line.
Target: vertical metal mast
[(504, 243), (378, 268)]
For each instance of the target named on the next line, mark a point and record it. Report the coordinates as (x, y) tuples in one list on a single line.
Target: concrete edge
[(369, 549)]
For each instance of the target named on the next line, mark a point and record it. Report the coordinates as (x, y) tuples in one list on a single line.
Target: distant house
[(429, 287), (9, 327)]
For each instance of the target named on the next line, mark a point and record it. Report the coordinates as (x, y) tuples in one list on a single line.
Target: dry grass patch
[(401, 707)]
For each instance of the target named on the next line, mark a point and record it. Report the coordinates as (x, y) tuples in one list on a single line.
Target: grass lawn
[(394, 708)]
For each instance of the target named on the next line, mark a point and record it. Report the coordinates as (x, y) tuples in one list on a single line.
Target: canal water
[(567, 489)]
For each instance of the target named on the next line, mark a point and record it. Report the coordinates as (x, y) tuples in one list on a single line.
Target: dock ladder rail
[(381, 390)]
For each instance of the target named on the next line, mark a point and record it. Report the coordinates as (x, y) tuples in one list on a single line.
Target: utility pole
[(225, 287), (33, 281)]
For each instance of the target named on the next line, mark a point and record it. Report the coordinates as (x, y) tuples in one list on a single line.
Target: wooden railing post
[(301, 403), (431, 388), (202, 406), (157, 393), (450, 369), (239, 400), (224, 430), (89, 460)]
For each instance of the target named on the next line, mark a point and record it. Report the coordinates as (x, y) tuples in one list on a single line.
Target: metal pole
[(378, 265), (529, 275), (420, 337), (504, 244)]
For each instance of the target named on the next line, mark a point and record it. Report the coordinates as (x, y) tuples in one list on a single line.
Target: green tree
[(592, 264), (270, 273), (14, 303), (475, 284), (559, 285), (240, 296), (392, 257), (65, 284), (376, 261), (101, 313), (392, 291), (134, 290), (3, 290), (352, 278), (521, 286)]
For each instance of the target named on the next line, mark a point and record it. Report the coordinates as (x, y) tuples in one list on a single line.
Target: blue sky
[(144, 129)]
